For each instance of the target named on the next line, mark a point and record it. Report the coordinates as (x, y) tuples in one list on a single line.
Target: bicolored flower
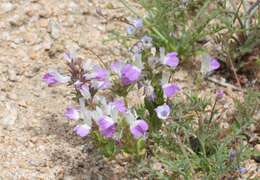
[(163, 111), (130, 74), (119, 105), (139, 128), (209, 64), (82, 130), (171, 59), (107, 126), (138, 23), (72, 113), (53, 78), (170, 90)]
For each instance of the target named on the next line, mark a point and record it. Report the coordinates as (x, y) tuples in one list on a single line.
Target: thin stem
[(212, 111), (99, 58), (234, 71)]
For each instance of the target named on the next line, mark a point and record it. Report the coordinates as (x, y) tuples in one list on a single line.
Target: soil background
[(36, 141)]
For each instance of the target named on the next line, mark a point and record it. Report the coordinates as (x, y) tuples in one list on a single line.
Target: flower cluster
[(102, 91)]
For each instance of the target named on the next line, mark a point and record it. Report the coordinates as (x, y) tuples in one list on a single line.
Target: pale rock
[(7, 7), (8, 114), (43, 22), (257, 147), (54, 29), (73, 7), (17, 20), (12, 75)]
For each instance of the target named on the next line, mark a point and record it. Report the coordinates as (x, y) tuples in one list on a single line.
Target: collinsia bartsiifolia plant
[(104, 108)]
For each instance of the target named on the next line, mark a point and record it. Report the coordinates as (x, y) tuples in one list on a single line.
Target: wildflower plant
[(101, 91), (183, 134)]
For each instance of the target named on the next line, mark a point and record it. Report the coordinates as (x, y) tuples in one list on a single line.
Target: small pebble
[(257, 147)]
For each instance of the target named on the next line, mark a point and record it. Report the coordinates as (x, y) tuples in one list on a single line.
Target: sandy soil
[(36, 141)]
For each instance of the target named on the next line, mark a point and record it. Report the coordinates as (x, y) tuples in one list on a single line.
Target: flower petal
[(170, 90), (82, 130), (72, 113), (163, 111), (107, 126), (171, 59), (53, 78), (130, 74), (139, 128)]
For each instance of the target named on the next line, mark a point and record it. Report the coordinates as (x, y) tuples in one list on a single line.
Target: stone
[(7, 7), (8, 114), (54, 29), (257, 147), (17, 20), (12, 75)]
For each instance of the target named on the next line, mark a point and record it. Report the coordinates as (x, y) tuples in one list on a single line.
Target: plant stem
[(212, 111)]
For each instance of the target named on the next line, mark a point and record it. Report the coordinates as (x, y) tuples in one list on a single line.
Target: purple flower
[(139, 128), (101, 74), (72, 113), (171, 59), (53, 78), (130, 74), (170, 89), (138, 23), (163, 111), (214, 64), (220, 94), (117, 66), (147, 41), (82, 130), (107, 126), (242, 170), (119, 105)]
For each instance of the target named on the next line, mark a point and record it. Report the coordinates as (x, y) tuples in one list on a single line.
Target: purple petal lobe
[(120, 105), (72, 113), (50, 79), (130, 74), (170, 90), (171, 59), (107, 126), (117, 66), (105, 84), (214, 64), (220, 94), (82, 130), (163, 111), (139, 128), (101, 74)]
